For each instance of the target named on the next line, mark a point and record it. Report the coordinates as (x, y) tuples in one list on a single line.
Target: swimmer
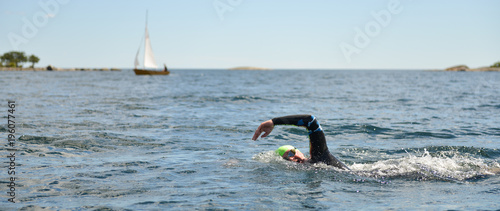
[(317, 142)]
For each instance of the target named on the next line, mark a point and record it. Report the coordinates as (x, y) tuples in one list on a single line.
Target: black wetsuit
[(317, 141)]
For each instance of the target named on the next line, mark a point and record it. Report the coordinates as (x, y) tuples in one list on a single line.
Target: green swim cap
[(280, 151)]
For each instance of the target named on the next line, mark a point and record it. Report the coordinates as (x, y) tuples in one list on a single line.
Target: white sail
[(149, 60), (136, 62)]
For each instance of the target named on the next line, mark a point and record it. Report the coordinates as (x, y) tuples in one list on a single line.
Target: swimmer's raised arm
[(265, 127), (298, 120), (317, 141)]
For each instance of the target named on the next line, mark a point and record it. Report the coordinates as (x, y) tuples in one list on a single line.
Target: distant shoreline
[(248, 68), (56, 69), (451, 69), (465, 68)]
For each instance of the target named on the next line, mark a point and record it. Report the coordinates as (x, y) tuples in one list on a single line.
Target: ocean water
[(115, 141)]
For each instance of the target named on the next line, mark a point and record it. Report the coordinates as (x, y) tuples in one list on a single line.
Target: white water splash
[(447, 166), (458, 167), (268, 157)]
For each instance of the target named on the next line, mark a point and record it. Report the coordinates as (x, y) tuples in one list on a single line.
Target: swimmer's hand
[(265, 127)]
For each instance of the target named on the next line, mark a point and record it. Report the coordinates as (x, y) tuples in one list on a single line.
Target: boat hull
[(150, 72)]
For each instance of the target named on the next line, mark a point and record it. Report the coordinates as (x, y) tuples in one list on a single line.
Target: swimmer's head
[(281, 151), (289, 152)]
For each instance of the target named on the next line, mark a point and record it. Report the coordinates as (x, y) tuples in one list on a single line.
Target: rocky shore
[(463, 68), (51, 68), (248, 68)]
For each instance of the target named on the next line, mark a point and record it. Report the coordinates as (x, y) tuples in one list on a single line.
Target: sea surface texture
[(116, 141)]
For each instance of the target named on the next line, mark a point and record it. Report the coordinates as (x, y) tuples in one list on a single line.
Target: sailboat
[(149, 59)]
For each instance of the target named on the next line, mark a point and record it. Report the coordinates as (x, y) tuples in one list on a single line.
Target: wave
[(490, 106), (407, 133), (420, 134), (94, 141), (219, 99), (436, 163), (389, 133), (458, 168)]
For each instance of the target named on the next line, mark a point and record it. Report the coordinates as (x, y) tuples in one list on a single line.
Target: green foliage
[(14, 58), (33, 59), (2, 60), (496, 64)]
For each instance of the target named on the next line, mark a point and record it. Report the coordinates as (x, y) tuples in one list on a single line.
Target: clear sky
[(316, 34)]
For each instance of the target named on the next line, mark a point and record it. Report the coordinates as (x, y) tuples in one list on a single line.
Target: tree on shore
[(496, 64), (2, 60), (14, 58), (33, 59)]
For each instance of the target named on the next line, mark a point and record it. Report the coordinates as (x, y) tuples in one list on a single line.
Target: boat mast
[(145, 40)]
